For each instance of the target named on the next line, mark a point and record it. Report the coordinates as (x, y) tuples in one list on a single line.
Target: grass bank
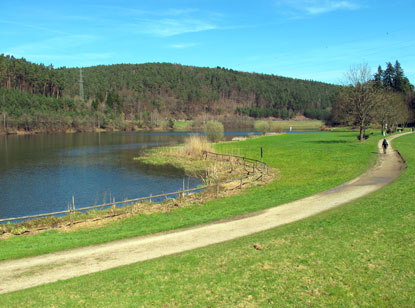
[(299, 125), (357, 255), (308, 163), (285, 125), (187, 158)]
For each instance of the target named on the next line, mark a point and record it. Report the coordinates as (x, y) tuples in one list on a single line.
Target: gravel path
[(34, 271)]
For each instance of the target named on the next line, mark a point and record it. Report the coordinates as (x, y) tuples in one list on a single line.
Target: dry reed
[(195, 145)]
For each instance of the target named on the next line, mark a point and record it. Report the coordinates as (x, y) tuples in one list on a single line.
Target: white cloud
[(299, 8), (168, 22), (170, 27), (183, 45), (30, 26), (329, 6), (159, 13)]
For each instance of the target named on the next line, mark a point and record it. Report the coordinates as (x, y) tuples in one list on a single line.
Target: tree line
[(135, 95), (25, 76), (147, 92), (385, 98)]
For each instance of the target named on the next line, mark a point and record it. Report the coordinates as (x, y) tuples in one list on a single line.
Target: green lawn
[(308, 163), (358, 255), (183, 125)]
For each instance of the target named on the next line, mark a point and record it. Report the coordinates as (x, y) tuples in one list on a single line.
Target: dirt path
[(34, 271)]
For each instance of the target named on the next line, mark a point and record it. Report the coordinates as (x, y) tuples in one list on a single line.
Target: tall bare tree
[(357, 101)]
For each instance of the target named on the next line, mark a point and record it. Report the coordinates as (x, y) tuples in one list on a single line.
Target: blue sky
[(307, 39)]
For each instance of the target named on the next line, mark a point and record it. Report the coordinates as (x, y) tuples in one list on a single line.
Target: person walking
[(385, 145)]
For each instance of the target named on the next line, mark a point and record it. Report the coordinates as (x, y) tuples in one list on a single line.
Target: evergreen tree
[(388, 75), (378, 77), (400, 82)]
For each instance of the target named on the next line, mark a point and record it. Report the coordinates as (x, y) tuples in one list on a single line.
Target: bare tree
[(358, 100), (403, 113), (386, 111), (392, 110)]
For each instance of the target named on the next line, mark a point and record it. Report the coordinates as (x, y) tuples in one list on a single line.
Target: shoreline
[(199, 166), (182, 126)]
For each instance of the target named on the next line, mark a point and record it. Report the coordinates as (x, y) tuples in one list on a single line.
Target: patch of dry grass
[(195, 145)]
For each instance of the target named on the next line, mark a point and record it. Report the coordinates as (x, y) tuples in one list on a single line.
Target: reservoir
[(40, 173)]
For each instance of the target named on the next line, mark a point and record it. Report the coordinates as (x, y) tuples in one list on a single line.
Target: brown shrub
[(195, 145)]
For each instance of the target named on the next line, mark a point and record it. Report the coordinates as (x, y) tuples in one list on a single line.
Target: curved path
[(30, 272)]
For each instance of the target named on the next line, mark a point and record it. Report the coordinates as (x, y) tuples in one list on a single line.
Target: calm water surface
[(41, 173)]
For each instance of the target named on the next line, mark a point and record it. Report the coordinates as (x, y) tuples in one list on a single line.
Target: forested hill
[(184, 90), (154, 90)]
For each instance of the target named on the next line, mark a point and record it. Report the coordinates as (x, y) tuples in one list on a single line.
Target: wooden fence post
[(71, 210), (183, 187)]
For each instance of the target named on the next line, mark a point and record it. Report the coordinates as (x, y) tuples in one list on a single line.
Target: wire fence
[(247, 162), (251, 166)]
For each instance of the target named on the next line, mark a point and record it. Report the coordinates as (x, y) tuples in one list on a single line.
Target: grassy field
[(308, 163), (357, 255), (300, 125), (181, 126)]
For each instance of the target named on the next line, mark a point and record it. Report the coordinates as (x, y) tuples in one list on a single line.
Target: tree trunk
[(362, 133)]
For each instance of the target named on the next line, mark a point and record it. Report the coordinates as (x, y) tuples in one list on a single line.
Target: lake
[(41, 173)]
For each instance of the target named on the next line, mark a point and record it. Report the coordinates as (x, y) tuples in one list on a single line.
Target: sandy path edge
[(29, 272)]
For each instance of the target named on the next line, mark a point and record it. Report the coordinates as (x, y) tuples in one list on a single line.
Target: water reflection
[(41, 173)]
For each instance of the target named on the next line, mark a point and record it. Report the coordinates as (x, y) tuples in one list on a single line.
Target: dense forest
[(39, 97), (182, 91), (124, 96)]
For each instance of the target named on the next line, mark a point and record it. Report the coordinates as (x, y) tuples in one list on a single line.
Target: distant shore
[(175, 126)]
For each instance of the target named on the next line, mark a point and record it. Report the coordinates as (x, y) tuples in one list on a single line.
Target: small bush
[(170, 124), (214, 131), (262, 126)]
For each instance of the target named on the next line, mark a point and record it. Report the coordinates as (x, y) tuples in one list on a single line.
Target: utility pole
[(81, 86), (4, 112)]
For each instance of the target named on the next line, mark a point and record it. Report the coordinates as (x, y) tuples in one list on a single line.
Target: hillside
[(145, 93), (178, 90)]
